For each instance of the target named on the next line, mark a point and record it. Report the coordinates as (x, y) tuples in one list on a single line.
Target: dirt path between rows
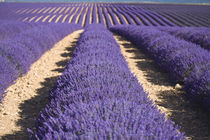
[(170, 100), (25, 99)]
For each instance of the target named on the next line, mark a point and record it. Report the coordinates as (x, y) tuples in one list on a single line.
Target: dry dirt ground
[(25, 99), (29, 94)]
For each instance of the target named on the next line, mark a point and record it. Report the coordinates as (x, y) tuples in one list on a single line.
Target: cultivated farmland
[(104, 71)]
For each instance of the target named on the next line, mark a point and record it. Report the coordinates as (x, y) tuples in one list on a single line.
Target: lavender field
[(108, 14), (104, 71)]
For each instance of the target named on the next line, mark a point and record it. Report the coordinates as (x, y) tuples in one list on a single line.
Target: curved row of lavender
[(200, 36), (182, 15), (19, 52), (186, 62), (114, 12), (97, 97), (147, 17)]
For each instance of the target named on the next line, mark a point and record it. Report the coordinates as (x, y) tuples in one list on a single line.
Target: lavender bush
[(87, 18), (94, 14), (101, 20), (200, 36), (9, 29), (97, 97), (106, 16), (184, 61), (7, 74)]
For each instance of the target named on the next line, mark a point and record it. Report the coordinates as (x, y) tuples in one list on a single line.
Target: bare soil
[(25, 99)]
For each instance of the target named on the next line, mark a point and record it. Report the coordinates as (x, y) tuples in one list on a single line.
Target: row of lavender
[(199, 36), (97, 97), (183, 15), (110, 13), (146, 17), (19, 50), (113, 13), (10, 29), (186, 62)]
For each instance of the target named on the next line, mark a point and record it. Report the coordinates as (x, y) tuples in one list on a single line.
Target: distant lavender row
[(18, 53), (200, 36), (97, 97), (148, 17), (182, 15), (9, 29), (185, 61)]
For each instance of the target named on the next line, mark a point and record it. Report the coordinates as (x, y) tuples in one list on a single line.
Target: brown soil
[(25, 99), (194, 121)]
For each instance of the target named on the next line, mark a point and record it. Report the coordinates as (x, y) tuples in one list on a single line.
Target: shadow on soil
[(153, 73), (30, 108), (194, 121)]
